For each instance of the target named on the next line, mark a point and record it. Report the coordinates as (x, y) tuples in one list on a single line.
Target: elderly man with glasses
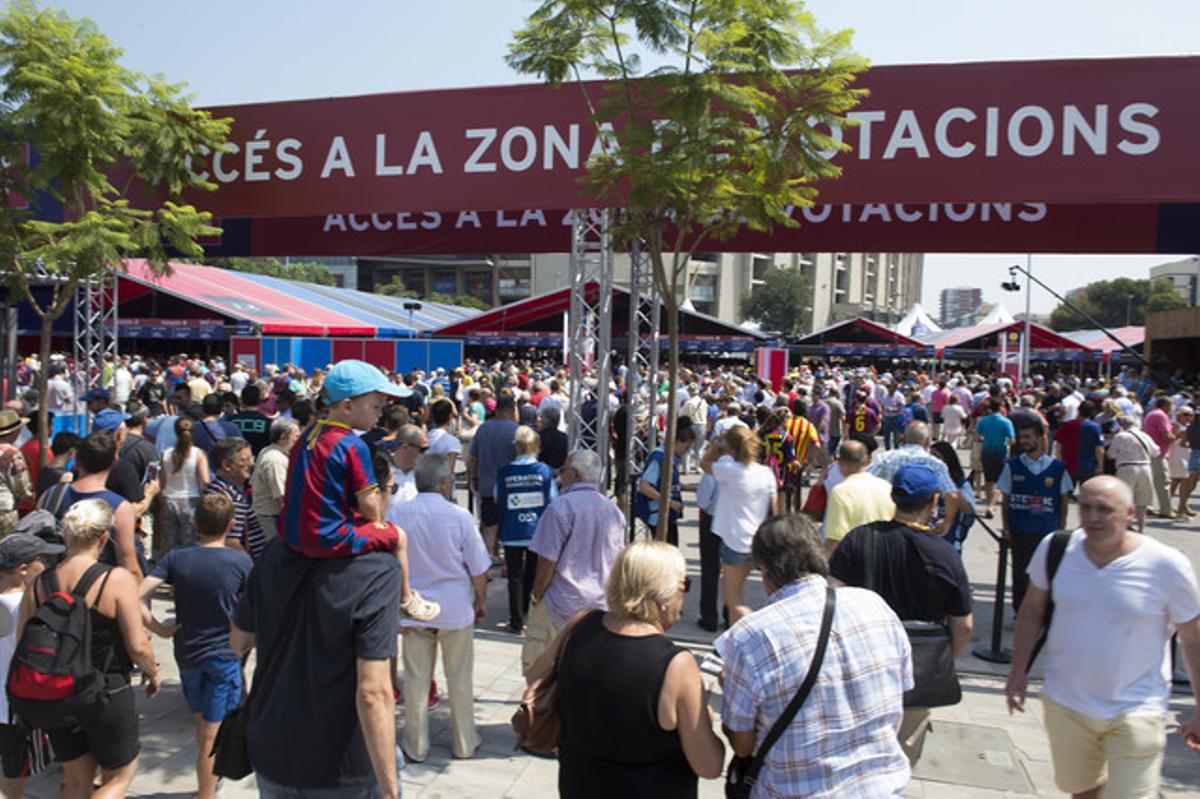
[(411, 442)]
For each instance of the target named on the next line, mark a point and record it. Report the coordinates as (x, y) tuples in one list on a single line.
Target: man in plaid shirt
[(843, 741)]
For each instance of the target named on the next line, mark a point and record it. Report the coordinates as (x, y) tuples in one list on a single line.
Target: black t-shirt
[(208, 582), (254, 427), (917, 588), (138, 453), (125, 481), (303, 728), (554, 448)]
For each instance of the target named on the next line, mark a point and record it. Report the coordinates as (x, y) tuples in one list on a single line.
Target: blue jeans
[(893, 429)]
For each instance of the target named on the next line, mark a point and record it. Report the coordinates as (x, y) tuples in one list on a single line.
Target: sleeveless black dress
[(613, 746)]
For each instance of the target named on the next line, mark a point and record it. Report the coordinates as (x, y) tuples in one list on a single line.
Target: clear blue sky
[(257, 50)]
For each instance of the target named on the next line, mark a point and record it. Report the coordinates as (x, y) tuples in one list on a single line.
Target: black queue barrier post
[(996, 653)]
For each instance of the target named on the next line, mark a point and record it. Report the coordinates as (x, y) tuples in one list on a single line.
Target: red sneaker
[(433, 694)]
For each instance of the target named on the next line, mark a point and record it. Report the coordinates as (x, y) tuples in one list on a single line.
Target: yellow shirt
[(859, 499)]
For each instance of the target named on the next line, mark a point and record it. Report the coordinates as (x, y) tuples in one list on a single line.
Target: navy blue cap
[(915, 481), (95, 394)]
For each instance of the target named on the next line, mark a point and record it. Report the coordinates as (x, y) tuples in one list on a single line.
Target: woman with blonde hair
[(746, 496), (659, 736), (183, 476), (108, 737)]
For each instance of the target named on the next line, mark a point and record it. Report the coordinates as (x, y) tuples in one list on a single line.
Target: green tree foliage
[(299, 270), (716, 137), (783, 303), (112, 146), (396, 288), (1111, 302)]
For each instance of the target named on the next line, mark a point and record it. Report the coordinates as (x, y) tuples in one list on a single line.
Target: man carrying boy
[(337, 518), (208, 578)]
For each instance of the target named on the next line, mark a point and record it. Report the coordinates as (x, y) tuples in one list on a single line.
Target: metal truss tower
[(95, 328), (589, 331), (642, 361)]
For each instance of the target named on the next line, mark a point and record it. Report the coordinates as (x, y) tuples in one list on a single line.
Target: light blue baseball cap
[(354, 378)]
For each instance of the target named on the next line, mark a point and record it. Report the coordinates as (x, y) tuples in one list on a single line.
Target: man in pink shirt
[(937, 401), (1157, 425)]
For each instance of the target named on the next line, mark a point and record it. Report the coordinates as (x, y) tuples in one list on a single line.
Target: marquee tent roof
[(1133, 336), (544, 313), (856, 331), (982, 336), (287, 307)]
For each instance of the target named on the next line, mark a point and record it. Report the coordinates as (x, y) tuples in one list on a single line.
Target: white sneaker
[(419, 608)]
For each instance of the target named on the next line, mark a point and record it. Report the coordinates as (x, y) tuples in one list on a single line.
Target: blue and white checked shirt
[(886, 464), (843, 741)]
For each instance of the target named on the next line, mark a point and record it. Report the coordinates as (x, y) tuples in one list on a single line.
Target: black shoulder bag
[(743, 771), (1054, 556), (231, 755), (935, 680)]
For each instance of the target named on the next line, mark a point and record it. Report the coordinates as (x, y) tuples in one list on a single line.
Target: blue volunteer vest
[(643, 507), (1034, 502), (522, 493)]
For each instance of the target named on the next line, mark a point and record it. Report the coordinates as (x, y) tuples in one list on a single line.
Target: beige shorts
[(539, 633), (1124, 754), (1137, 476)]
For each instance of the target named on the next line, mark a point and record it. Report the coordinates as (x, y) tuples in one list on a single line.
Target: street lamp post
[(1028, 311), (410, 307)]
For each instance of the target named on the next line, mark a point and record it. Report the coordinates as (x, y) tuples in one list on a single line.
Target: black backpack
[(52, 682)]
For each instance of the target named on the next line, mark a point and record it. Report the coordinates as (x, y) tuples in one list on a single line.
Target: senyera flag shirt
[(330, 468)]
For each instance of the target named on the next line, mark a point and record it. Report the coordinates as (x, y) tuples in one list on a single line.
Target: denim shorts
[(212, 687), (1194, 462), (273, 790), (733, 558)]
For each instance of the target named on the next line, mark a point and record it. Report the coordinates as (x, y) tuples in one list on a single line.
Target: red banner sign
[(1105, 131)]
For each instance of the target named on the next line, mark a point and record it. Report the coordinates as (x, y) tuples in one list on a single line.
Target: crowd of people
[(319, 514)]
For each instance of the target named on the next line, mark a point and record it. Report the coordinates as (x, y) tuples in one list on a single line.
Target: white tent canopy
[(916, 323), (999, 315)]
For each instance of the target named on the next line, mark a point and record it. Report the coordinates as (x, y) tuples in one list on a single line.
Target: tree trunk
[(43, 378), (668, 472)]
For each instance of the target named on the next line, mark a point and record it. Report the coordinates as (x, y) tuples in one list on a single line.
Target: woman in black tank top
[(108, 737), (635, 717)]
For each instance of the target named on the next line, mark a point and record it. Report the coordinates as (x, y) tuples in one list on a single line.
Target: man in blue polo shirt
[(1035, 487), (649, 495), (995, 432)]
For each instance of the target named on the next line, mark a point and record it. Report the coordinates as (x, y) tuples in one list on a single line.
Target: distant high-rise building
[(958, 307), (1184, 276)]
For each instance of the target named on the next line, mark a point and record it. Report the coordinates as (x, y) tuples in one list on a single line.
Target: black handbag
[(230, 752), (935, 679), (743, 771)]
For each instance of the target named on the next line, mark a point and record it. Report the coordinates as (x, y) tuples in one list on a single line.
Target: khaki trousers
[(458, 661), (539, 633), (913, 729)]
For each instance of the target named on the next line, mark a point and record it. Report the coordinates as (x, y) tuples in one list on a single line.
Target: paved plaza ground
[(975, 750)]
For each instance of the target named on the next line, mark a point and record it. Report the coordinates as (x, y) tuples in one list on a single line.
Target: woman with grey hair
[(1132, 450)]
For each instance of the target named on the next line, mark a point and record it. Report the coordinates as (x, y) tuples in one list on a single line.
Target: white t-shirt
[(9, 606), (725, 424), (1107, 649), (444, 443), (744, 497), (952, 419)]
